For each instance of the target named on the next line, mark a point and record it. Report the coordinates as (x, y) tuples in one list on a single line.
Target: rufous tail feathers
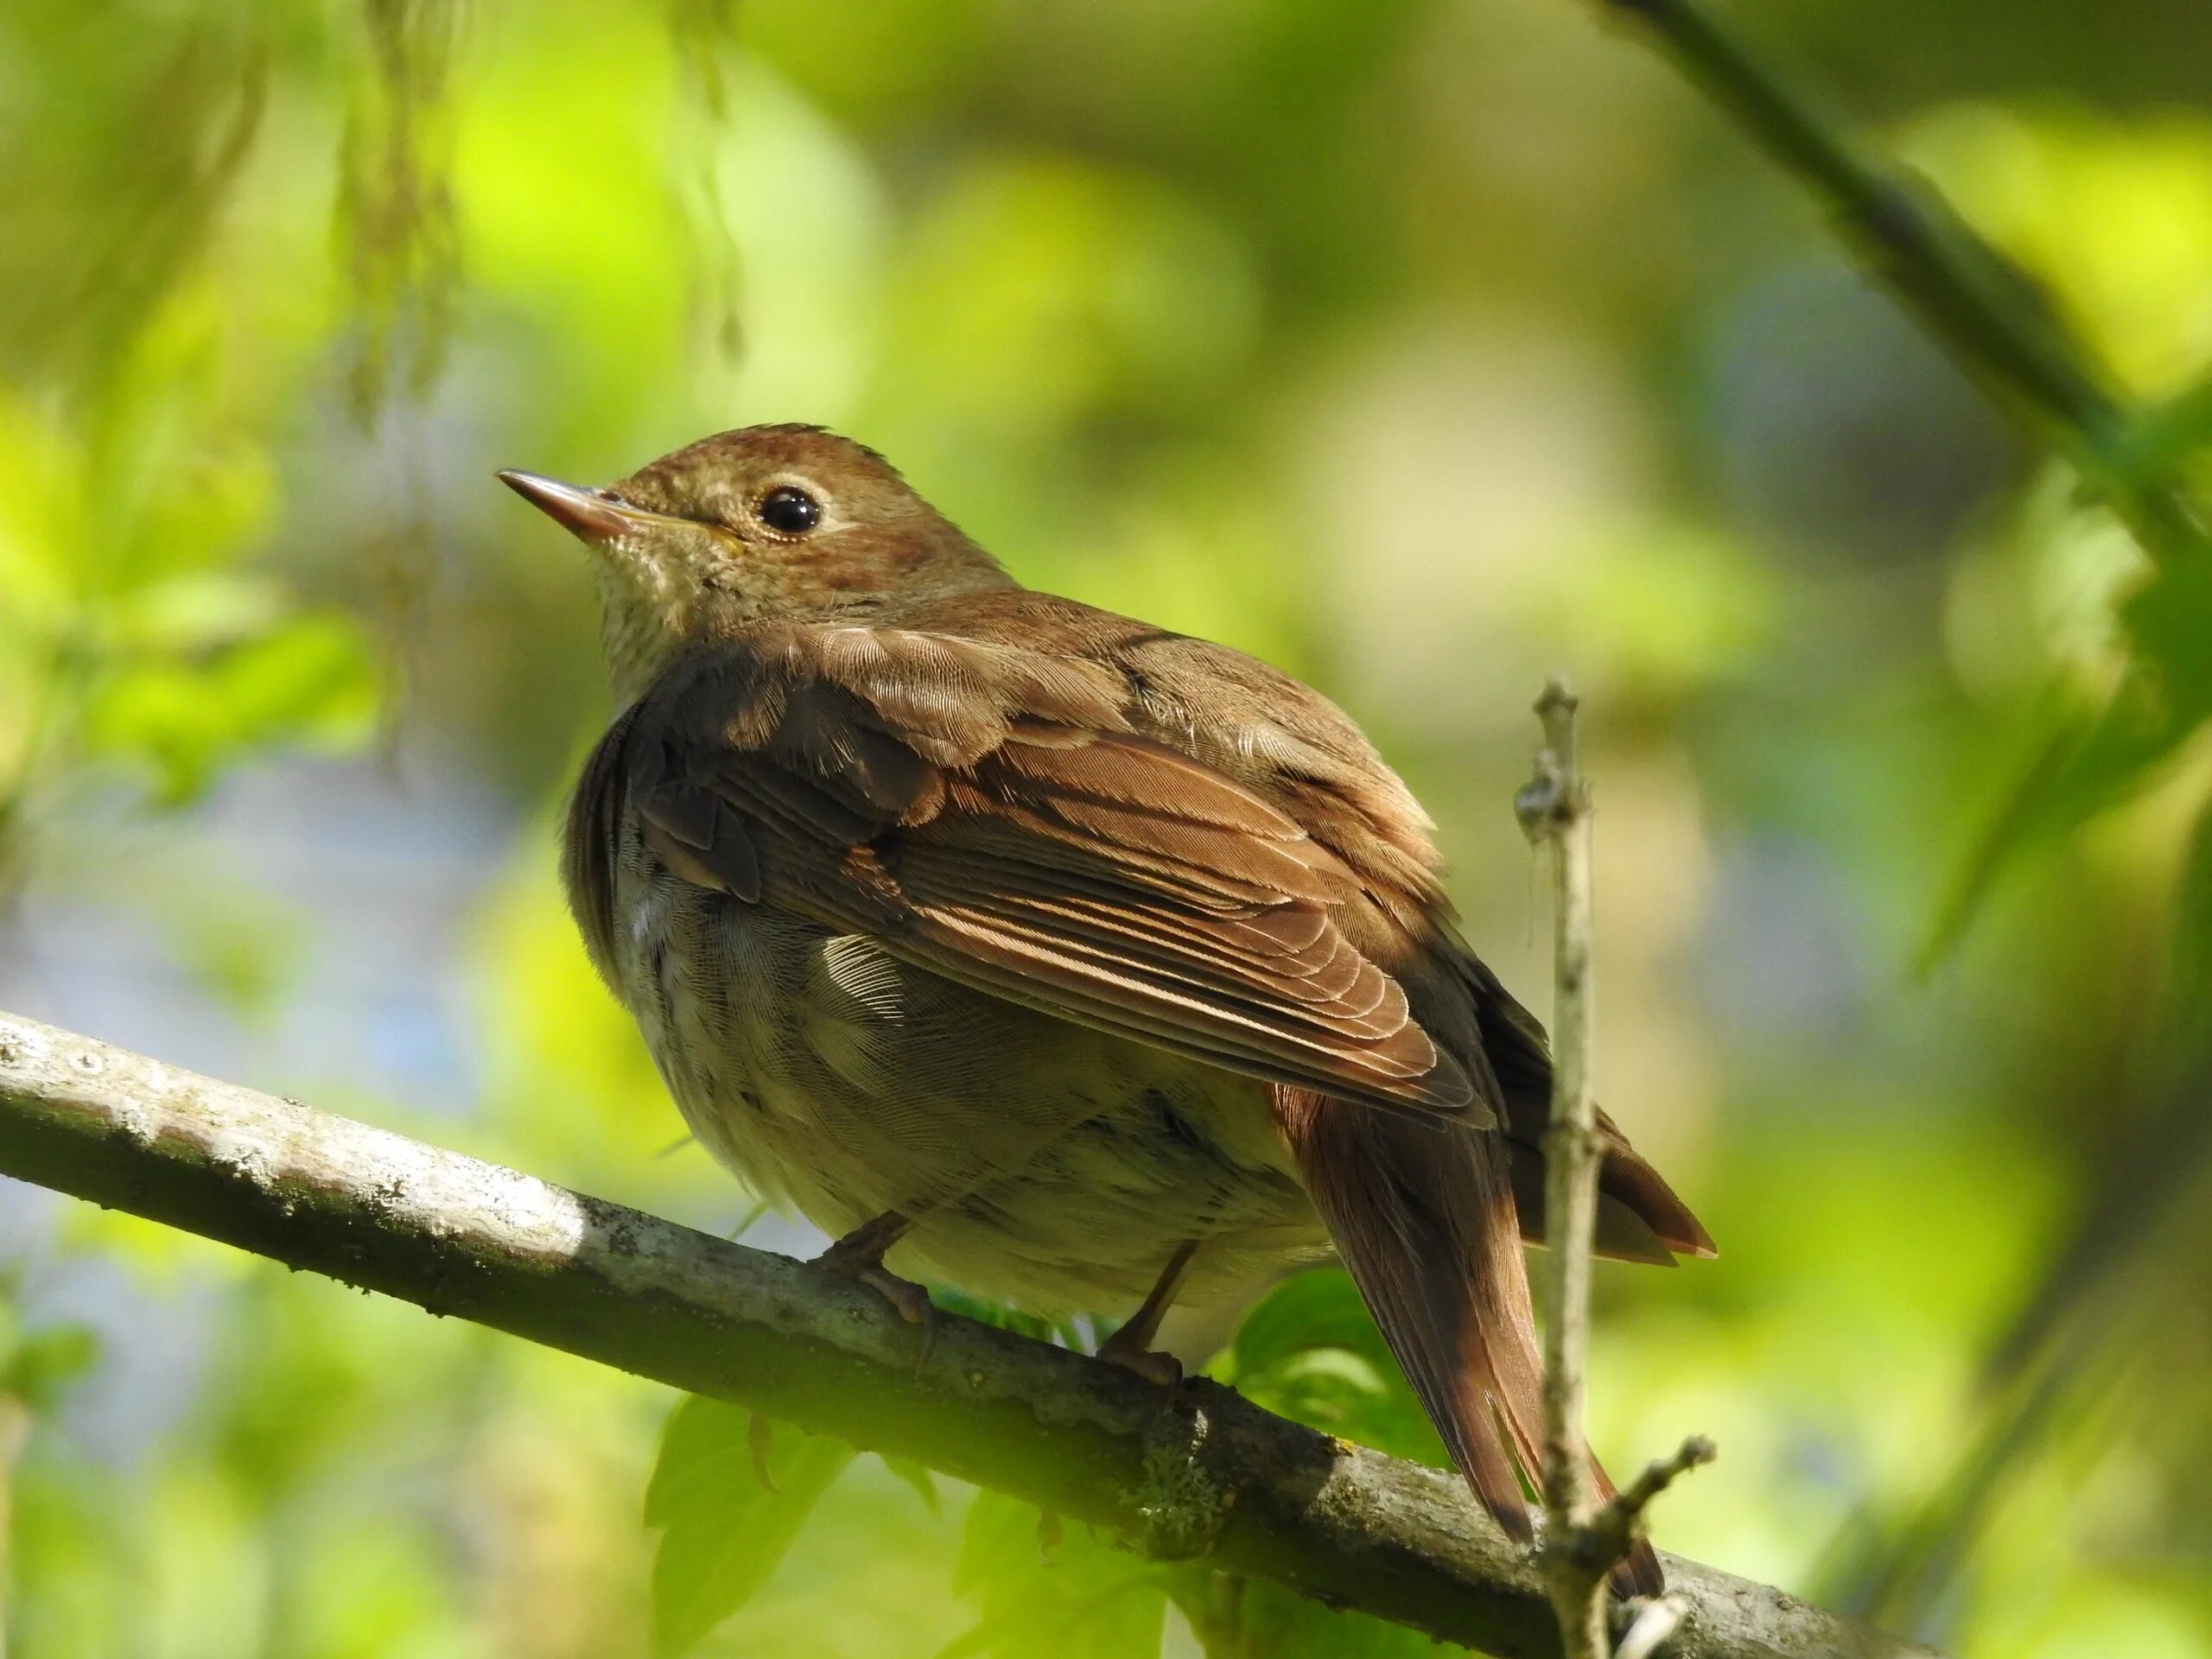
[(1425, 1221)]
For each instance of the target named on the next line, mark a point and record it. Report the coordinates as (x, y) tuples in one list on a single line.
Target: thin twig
[(1656, 1623), (1208, 1476), (1554, 808), (1583, 1541)]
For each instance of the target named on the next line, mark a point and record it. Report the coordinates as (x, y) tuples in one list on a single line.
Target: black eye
[(789, 510)]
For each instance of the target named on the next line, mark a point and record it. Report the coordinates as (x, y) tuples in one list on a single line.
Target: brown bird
[(1090, 965)]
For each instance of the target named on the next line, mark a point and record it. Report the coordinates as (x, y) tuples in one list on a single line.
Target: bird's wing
[(987, 811)]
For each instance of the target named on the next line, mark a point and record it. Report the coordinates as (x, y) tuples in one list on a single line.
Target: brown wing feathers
[(1130, 875), (985, 810), (1002, 814)]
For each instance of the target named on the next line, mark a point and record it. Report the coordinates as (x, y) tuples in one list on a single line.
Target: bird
[(1071, 961)]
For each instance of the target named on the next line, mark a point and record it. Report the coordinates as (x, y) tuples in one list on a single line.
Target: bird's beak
[(591, 514)]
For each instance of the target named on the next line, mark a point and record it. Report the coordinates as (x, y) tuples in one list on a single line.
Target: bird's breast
[(1044, 1162)]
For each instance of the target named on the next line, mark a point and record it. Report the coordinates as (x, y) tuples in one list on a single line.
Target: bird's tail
[(1425, 1221)]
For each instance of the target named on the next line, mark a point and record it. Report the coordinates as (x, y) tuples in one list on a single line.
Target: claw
[(760, 1438), (1130, 1347), (859, 1256), (912, 1301), (1163, 1371)]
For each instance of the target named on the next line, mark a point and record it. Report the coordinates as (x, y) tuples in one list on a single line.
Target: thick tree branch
[(1209, 1476)]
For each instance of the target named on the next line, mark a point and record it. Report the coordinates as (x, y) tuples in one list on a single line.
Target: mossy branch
[(1208, 1477)]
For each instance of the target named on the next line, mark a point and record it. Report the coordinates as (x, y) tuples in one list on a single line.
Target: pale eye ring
[(789, 510)]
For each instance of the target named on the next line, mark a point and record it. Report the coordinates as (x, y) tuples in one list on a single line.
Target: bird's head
[(761, 523)]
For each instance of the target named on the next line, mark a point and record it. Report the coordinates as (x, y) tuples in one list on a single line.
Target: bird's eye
[(789, 510)]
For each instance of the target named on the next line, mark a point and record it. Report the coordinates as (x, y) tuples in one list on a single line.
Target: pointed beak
[(596, 515)]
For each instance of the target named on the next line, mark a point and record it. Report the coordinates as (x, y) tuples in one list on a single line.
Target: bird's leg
[(1130, 1347), (859, 1255)]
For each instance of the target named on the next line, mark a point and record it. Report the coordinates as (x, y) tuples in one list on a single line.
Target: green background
[(1422, 348)]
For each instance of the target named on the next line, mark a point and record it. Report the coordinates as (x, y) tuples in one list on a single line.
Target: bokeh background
[(1420, 345)]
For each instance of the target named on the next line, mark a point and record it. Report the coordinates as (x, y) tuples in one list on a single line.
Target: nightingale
[(1068, 960)]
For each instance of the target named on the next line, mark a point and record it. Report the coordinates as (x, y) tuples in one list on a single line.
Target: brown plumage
[(1064, 956)]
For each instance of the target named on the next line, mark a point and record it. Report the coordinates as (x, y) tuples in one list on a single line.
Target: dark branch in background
[(1994, 320), (1208, 1476), (1582, 1543), (1980, 307)]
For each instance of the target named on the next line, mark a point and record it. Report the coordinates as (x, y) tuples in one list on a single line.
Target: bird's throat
[(646, 617)]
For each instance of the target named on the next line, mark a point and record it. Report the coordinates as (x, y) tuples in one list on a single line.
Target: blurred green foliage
[(730, 1493), (1421, 347)]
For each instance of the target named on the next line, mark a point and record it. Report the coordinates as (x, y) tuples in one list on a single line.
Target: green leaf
[(722, 1532), (1079, 1599), (2086, 761), (36, 1366), (1311, 1352), (1319, 1308), (1255, 1620), (310, 679), (2080, 762), (2166, 438), (1032, 1326), (2192, 912), (923, 1482)]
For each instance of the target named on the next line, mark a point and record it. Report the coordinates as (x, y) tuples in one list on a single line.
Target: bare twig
[(1208, 1477), (1554, 808), (1583, 1543), (1654, 1623)]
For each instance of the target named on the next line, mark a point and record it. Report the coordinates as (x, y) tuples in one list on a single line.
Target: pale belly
[(1044, 1164)]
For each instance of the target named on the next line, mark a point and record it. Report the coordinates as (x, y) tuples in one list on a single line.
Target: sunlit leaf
[(2032, 180), (1248, 1617), (309, 680), (1317, 1309), (1311, 1352), (722, 1532), (2088, 760), (1046, 1588), (918, 1477)]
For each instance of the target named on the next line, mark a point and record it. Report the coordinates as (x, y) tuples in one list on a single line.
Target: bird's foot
[(859, 1256), (1162, 1370), (910, 1299), (1130, 1347)]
